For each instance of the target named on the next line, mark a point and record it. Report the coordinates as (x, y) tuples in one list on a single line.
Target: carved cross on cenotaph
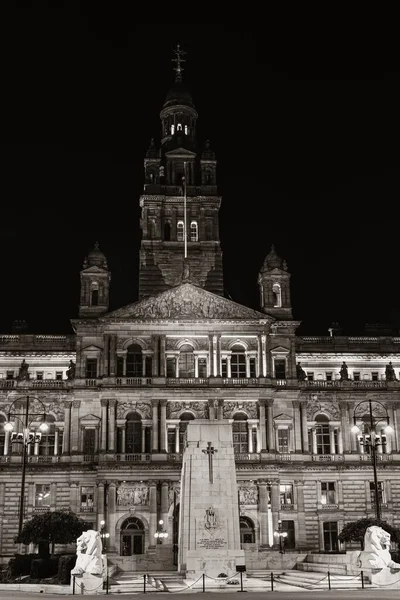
[(210, 450)]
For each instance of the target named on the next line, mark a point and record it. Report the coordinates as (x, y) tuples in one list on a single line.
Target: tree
[(58, 527), (355, 531)]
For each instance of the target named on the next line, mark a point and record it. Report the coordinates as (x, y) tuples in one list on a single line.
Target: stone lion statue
[(376, 553), (88, 552)]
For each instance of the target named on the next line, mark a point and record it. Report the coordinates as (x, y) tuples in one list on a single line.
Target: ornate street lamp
[(104, 535), (282, 536), (25, 437), (372, 440), (160, 534)]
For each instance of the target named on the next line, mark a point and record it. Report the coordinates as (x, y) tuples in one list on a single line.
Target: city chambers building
[(119, 392)]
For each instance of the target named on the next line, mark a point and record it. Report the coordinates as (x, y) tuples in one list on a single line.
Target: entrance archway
[(132, 537)]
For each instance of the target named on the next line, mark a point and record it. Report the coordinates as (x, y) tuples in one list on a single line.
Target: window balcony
[(138, 458)]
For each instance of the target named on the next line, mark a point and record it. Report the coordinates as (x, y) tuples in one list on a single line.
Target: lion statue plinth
[(376, 559), (88, 554)]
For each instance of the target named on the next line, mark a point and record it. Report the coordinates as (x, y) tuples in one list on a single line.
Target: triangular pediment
[(95, 269), (180, 152), (280, 350), (89, 418), (186, 301)]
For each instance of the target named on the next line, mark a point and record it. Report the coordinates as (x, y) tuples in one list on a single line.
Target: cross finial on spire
[(178, 60)]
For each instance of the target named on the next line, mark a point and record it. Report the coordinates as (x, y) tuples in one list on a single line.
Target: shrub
[(65, 566), (20, 564), (41, 568)]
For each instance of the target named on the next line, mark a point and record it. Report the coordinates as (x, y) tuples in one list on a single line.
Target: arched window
[(238, 362), (47, 441), (94, 294), (152, 229), (247, 535), (186, 361), (133, 435), (180, 231), (172, 129), (167, 231), (2, 434), (240, 433), (277, 298), (322, 442), (186, 130), (132, 537), (134, 361), (194, 231), (185, 418)]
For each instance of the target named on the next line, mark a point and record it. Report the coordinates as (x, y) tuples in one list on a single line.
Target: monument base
[(213, 563), (386, 578), (87, 584)]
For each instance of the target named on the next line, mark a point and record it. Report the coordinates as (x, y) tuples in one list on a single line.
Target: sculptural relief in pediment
[(185, 301)]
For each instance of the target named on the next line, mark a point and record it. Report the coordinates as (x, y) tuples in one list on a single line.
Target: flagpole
[(184, 209)]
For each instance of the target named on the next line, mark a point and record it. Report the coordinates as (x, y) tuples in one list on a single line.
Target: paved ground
[(279, 595)]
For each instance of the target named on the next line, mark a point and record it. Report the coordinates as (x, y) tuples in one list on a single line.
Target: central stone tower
[(171, 169)]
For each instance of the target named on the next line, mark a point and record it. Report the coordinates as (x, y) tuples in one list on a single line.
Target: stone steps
[(133, 581), (318, 581)]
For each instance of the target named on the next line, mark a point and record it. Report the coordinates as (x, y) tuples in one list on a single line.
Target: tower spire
[(178, 60)]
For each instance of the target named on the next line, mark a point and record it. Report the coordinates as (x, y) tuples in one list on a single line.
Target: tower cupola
[(95, 284), (274, 282)]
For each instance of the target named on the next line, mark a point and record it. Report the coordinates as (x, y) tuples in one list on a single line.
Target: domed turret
[(178, 95), (96, 258), (95, 284), (274, 282)]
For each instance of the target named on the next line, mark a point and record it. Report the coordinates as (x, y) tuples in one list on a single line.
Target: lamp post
[(282, 536), (372, 440), (160, 534), (25, 438), (104, 536)]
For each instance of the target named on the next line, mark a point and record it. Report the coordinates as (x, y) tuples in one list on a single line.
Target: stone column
[(332, 440), (162, 355), (301, 538), (111, 430), (211, 409), (164, 505), (100, 503), (111, 515), (270, 426), (106, 355), (261, 404), (154, 403), (153, 512), (304, 430), (53, 495), (163, 425), (67, 427), (113, 359), (75, 426), (103, 441), (177, 439), (297, 426), (214, 355), (345, 426), (263, 510), (6, 444)]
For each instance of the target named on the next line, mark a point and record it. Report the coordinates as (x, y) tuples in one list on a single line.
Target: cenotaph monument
[(209, 531)]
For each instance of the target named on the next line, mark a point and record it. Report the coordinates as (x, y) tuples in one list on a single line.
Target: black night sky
[(306, 131)]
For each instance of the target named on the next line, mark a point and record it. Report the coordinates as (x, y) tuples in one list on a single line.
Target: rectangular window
[(224, 368), (170, 367), (39, 375), (10, 375), (381, 492), (87, 498), (203, 367), (89, 439), (374, 376), (327, 492), (252, 362), (310, 376), (356, 375), (286, 494), (59, 375), (328, 376), (283, 441), (91, 368), (148, 366), (171, 440), (42, 495), (280, 368)]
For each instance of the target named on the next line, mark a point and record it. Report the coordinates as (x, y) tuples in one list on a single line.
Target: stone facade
[(118, 395)]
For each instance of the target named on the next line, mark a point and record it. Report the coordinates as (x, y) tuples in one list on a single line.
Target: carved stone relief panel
[(143, 409), (248, 494), (231, 407), (132, 495)]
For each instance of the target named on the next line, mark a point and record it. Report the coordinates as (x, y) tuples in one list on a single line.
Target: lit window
[(286, 494), (283, 441), (179, 127), (87, 499), (327, 492), (42, 495), (277, 295), (193, 231), (180, 231), (172, 129), (381, 492), (186, 130)]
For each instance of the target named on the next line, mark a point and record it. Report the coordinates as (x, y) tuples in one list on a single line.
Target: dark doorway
[(132, 537)]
